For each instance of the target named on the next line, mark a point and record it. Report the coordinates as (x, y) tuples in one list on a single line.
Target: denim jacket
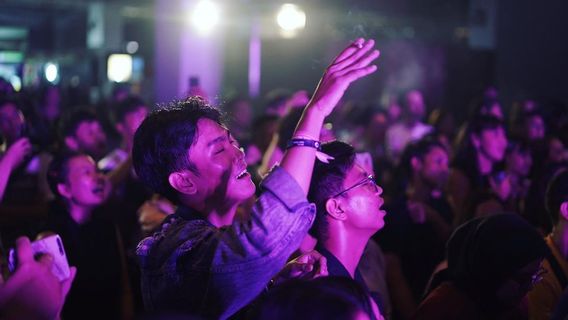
[(189, 265)]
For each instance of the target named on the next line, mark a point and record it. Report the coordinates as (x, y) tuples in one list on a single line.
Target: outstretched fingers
[(349, 51), (358, 53), (353, 75), (362, 62)]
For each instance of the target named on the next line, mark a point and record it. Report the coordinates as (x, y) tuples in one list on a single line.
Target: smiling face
[(221, 167), (84, 185), (362, 204), (132, 121)]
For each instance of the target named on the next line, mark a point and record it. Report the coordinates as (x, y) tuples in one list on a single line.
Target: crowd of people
[(311, 207)]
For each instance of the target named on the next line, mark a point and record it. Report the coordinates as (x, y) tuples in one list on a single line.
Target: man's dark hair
[(322, 298), (162, 142), (403, 172), (130, 104), (327, 180), (556, 194), (418, 149), (58, 170), (70, 123)]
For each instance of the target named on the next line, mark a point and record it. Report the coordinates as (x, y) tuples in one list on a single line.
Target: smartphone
[(51, 245)]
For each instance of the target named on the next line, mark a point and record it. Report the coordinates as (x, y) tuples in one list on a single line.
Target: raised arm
[(352, 63)]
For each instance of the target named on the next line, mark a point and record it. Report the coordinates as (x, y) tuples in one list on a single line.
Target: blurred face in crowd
[(415, 105), (85, 185), (433, 168), (491, 144), (519, 163), (535, 128), (242, 113), (362, 203), (90, 138), (221, 166), (556, 151), (131, 122), (11, 122)]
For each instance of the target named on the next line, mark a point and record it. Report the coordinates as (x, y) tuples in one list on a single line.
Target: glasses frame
[(369, 179)]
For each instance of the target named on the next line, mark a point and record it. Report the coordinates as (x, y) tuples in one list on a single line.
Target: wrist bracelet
[(304, 143)]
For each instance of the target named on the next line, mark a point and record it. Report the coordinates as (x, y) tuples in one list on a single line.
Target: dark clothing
[(189, 265), (91, 247), (418, 246), (484, 254), (336, 268)]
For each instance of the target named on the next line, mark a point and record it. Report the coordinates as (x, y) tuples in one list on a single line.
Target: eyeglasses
[(369, 180)]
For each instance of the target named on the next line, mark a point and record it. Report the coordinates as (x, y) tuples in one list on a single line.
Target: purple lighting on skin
[(254, 61)]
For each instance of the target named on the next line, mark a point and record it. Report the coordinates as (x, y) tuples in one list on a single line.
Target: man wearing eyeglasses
[(348, 211)]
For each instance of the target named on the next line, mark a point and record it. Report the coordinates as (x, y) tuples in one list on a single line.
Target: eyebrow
[(218, 139)]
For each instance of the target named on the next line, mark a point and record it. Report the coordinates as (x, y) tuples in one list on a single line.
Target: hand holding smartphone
[(51, 245)]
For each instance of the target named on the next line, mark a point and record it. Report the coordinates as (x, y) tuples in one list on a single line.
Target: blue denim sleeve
[(249, 254)]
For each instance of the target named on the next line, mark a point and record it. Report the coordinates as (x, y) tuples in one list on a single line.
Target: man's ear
[(564, 210), (415, 163), (71, 143), (63, 190), (334, 209), (183, 182)]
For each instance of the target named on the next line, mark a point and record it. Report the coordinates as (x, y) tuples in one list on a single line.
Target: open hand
[(352, 63)]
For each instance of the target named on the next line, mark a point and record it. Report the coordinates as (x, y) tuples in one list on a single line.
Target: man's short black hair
[(162, 142), (58, 170), (327, 180), (70, 123), (556, 194), (417, 149), (126, 106)]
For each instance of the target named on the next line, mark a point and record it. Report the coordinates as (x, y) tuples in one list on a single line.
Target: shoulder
[(175, 237)]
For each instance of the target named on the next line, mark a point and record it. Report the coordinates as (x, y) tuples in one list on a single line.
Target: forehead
[(437, 151), (86, 124), (79, 162), (141, 109), (207, 131), (355, 174)]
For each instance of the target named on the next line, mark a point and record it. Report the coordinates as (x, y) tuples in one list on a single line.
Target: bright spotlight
[(51, 72), (291, 18), (119, 67), (132, 47), (205, 16)]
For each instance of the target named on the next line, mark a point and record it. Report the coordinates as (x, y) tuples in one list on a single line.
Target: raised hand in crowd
[(13, 157), (32, 291)]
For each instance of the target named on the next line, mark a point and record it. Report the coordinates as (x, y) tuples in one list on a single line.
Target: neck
[(222, 218), (560, 238), (217, 216), (80, 214), (347, 247), (485, 165)]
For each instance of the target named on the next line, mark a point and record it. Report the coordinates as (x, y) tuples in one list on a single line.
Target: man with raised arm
[(202, 261)]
